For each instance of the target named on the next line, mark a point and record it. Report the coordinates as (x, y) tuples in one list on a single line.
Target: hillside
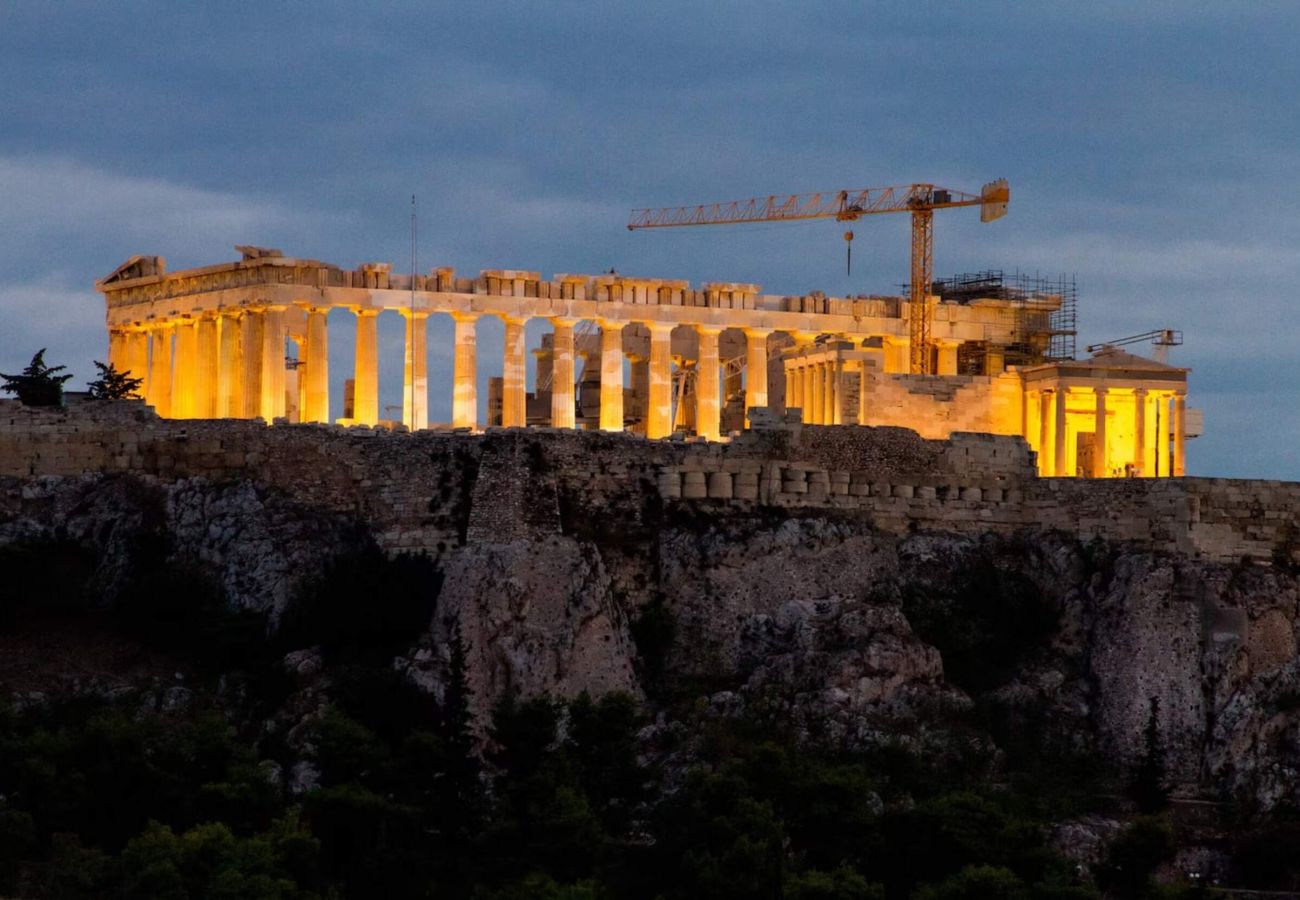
[(570, 665)]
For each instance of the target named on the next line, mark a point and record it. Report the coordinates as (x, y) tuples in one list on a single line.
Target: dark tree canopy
[(39, 384)]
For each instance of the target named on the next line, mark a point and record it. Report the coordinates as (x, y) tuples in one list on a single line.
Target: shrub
[(114, 385)]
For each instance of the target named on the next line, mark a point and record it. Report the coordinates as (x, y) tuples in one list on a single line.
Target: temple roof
[(1110, 359)]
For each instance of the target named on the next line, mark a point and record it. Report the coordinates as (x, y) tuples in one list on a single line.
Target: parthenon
[(657, 357)]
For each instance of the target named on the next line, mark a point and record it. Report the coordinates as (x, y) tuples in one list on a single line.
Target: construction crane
[(921, 200), (1161, 338)]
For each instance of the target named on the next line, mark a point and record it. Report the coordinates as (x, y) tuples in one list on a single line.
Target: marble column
[(230, 368), (464, 375), (415, 376), (316, 367), (1180, 435), (562, 399), (208, 352), (514, 376), (1162, 436), (1046, 461), (804, 342), (1059, 458), (160, 370), (611, 376), (1140, 432), (1100, 462), (184, 393), (863, 393), (659, 408), (794, 387), (708, 410), (137, 358), (639, 368), (830, 393), (365, 373), (755, 368), (251, 325), (117, 348), (816, 394), (273, 399)]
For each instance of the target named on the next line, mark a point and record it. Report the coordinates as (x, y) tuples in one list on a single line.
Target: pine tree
[(114, 385), (1148, 788), (458, 730), (39, 384)]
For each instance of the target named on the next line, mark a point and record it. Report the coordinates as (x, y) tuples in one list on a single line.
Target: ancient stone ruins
[(250, 339)]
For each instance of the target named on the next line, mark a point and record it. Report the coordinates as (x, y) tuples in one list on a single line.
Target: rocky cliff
[(564, 567)]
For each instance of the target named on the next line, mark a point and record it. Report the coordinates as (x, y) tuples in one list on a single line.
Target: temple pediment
[(136, 267)]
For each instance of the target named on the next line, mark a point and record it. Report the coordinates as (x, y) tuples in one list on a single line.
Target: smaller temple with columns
[(250, 339)]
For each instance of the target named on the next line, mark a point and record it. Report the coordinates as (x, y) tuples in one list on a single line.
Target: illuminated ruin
[(211, 342)]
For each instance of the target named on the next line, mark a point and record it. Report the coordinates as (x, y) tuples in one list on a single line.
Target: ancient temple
[(250, 339)]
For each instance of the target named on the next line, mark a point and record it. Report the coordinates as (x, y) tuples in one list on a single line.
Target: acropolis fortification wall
[(418, 490)]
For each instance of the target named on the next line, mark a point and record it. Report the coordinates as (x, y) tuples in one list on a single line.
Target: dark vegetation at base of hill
[(113, 797)]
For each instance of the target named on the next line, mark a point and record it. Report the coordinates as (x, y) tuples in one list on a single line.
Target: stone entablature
[(127, 288)]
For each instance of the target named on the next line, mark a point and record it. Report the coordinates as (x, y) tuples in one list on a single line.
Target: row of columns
[(1171, 425), (227, 364), (231, 363), (816, 387)]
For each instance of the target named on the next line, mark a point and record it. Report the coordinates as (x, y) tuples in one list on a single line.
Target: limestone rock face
[(534, 617), (1147, 623), (261, 548), (849, 674), (786, 611), (801, 615), (725, 581), (257, 544)]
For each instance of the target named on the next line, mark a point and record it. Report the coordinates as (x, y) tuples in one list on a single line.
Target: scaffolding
[(1045, 310)]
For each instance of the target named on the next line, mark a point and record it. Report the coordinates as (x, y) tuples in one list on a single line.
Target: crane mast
[(921, 200)]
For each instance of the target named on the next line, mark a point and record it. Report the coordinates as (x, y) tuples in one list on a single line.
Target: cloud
[(61, 204), (51, 312)]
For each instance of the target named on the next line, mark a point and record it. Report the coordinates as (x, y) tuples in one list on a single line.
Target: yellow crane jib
[(921, 200)]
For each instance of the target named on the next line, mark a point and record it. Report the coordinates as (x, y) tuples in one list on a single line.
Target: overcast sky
[(1152, 150)]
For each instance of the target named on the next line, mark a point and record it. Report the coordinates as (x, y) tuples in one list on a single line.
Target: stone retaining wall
[(433, 489)]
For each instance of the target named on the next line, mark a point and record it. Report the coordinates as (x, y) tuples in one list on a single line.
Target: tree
[(977, 883), (1134, 855), (114, 385), (1148, 787), (39, 384)]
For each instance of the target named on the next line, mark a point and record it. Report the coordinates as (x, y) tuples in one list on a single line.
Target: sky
[(1153, 151)]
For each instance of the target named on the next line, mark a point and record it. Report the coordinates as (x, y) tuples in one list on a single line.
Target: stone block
[(720, 487), (694, 486), (670, 485)]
